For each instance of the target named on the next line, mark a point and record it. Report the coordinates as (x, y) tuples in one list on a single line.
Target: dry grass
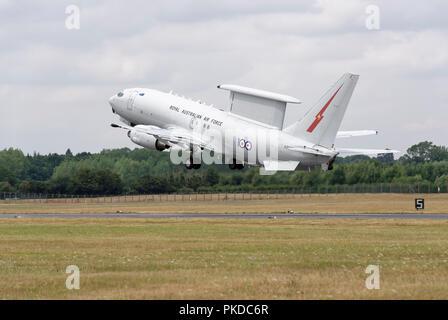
[(223, 258), (335, 203)]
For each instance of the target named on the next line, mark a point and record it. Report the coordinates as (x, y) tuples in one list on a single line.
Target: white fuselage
[(165, 110)]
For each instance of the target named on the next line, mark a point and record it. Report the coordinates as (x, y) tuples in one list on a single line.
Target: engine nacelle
[(147, 141)]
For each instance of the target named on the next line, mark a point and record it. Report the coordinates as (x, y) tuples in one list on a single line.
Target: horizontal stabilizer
[(315, 151), (358, 133), (343, 152)]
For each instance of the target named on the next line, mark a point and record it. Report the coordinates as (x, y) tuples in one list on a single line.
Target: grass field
[(334, 203), (223, 258)]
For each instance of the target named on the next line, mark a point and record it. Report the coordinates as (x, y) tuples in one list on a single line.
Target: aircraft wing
[(367, 152), (358, 133), (177, 136)]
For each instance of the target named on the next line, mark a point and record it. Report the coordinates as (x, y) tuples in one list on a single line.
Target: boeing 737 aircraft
[(251, 132)]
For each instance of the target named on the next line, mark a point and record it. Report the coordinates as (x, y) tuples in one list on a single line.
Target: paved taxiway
[(231, 215)]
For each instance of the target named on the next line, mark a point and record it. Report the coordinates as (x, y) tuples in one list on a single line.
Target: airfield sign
[(419, 204)]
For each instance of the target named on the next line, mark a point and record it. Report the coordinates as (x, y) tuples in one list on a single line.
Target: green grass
[(226, 259), (280, 203)]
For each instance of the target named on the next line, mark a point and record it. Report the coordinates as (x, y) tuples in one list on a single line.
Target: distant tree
[(353, 174), (178, 180), (185, 190), (6, 187), (25, 187), (211, 176), (249, 174), (236, 178), (224, 179), (83, 155), (296, 179), (14, 162), (442, 181), (337, 176), (352, 159), (108, 182), (7, 175), (84, 182), (98, 182), (152, 185), (59, 185), (313, 178), (261, 180), (386, 157), (194, 181), (438, 153), (118, 170), (393, 172), (425, 151), (68, 153), (38, 187)]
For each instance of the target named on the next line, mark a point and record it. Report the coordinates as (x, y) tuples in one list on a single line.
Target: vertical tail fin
[(321, 123)]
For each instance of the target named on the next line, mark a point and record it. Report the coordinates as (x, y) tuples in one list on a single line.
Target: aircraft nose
[(112, 103)]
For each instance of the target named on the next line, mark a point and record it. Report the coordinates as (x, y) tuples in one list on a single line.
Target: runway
[(432, 216)]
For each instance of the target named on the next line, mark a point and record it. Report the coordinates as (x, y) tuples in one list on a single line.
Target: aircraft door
[(131, 100)]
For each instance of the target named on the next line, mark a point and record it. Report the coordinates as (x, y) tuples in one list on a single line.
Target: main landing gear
[(190, 165), (330, 163), (236, 166)]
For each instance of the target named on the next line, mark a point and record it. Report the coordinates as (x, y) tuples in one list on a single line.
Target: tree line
[(126, 171)]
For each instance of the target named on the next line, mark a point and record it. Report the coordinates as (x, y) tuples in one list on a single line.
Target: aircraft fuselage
[(235, 137)]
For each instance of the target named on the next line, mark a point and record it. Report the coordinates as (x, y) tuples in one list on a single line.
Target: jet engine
[(147, 141)]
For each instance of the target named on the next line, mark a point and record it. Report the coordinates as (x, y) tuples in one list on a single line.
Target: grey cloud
[(55, 83)]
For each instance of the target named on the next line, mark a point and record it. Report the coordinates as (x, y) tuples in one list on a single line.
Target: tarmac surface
[(434, 216)]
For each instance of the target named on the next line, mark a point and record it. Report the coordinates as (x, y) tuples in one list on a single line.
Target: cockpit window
[(141, 94), (120, 94)]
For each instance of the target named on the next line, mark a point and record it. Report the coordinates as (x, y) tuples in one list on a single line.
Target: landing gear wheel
[(190, 165), (234, 166)]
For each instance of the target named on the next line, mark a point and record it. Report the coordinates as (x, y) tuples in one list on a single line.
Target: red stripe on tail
[(320, 115)]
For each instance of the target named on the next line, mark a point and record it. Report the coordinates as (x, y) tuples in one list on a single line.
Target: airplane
[(252, 132)]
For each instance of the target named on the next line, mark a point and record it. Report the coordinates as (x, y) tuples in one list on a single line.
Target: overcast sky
[(55, 82)]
